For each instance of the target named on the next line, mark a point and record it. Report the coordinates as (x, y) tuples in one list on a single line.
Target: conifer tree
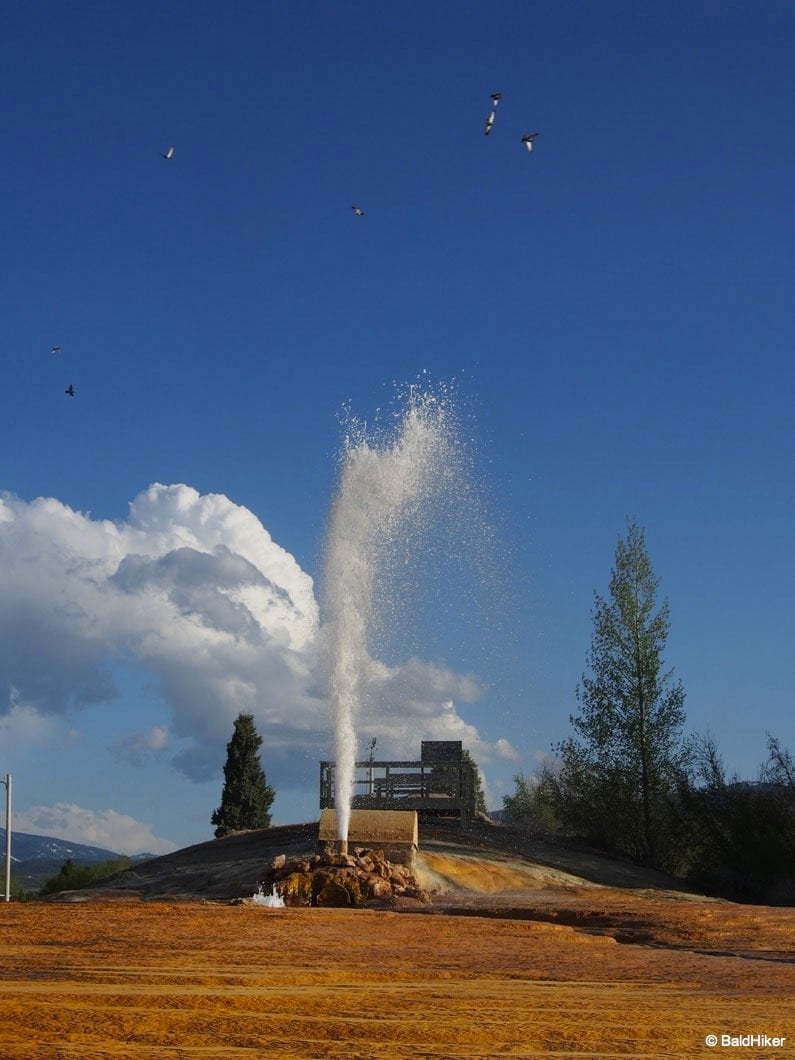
[(478, 794), (618, 774), (246, 798)]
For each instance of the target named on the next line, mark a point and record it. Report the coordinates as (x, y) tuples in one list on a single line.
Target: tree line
[(628, 781)]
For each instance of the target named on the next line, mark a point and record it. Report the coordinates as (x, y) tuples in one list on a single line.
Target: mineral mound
[(363, 877)]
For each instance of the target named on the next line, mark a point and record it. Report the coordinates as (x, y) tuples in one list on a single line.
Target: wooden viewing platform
[(441, 784)]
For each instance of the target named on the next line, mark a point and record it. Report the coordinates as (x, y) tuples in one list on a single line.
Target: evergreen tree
[(478, 794), (618, 774), (246, 798)]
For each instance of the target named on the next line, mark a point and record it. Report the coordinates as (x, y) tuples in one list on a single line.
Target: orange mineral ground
[(581, 972)]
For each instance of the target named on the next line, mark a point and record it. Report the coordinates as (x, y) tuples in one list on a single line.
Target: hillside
[(482, 860), (35, 858)]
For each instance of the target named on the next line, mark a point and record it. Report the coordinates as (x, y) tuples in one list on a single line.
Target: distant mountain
[(25, 847), (35, 858)]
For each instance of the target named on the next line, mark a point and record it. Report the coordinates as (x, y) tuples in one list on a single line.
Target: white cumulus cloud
[(416, 701), (113, 831), (22, 725), (193, 590)]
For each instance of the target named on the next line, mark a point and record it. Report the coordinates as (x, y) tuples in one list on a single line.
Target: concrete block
[(393, 831)]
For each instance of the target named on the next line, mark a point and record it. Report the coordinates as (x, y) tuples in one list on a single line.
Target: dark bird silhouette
[(495, 100), (358, 211), (528, 140), (168, 155), (70, 390), (55, 349)]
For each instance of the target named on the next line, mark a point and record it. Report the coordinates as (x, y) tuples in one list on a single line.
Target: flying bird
[(70, 390), (495, 99), (528, 140), (55, 349), (358, 211), (168, 155)]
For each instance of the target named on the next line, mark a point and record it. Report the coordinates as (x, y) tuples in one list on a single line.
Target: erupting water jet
[(389, 487)]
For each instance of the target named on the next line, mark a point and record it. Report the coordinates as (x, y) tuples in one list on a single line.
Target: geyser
[(390, 486)]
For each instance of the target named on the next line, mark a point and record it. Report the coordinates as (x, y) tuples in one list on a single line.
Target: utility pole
[(7, 783), (371, 759)]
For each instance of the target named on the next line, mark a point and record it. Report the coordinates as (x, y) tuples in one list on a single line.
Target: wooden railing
[(433, 788)]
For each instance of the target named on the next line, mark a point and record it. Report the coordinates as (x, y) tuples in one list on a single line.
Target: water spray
[(389, 485)]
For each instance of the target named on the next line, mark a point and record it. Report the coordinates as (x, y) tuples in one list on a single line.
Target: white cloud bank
[(109, 829), (194, 590), (22, 727)]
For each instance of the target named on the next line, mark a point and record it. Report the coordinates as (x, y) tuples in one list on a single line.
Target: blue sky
[(615, 309)]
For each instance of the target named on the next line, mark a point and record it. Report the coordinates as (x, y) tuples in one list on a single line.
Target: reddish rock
[(333, 894), (364, 876), (378, 887), (419, 894)]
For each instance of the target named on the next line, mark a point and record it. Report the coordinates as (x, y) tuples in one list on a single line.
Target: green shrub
[(73, 877)]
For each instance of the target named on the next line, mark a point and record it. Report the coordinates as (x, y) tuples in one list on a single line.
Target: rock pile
[(360, 878)]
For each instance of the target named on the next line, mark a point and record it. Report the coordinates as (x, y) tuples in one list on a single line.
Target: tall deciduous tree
[(619, 773), (533, 804), (246, 798)]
